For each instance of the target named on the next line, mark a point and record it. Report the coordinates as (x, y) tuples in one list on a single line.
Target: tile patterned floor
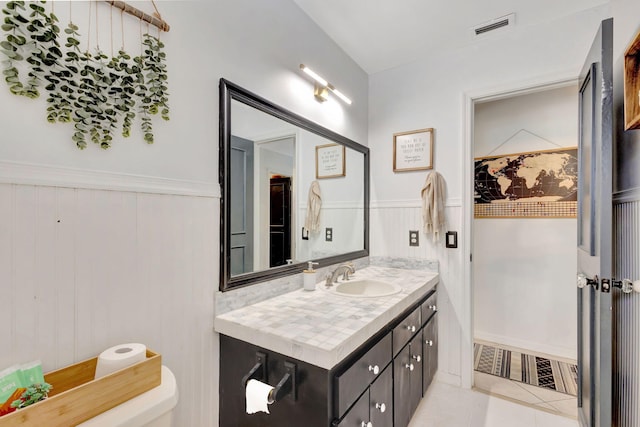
[(448, 406)]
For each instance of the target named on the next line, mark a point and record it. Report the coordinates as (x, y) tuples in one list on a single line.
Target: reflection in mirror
[(268, 165)]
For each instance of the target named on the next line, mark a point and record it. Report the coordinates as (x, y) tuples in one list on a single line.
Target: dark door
[(280, 221), (430, 352), (381, 399), (241, 200), (595, 232), (407, 381), (358, 415)]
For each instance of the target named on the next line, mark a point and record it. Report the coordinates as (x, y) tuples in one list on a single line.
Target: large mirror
[(292, 191)]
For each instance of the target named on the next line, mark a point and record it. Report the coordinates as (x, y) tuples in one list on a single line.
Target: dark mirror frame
[(229, 91)]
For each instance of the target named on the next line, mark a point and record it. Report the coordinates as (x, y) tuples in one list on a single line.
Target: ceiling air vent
[(494, 24)]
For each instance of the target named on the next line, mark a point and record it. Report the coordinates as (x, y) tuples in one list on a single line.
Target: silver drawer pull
[(381, 406), (409, 366), (416, 357), (369, 424), (375, 369), (433, 307), (429, 343), (411, 328)]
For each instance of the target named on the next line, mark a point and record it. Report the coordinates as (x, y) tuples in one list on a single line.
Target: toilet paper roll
[(119, 357), (257, 394)]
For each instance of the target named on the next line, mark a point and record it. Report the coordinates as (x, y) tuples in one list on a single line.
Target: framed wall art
[(330, 161), (413, 150), (536, 184)]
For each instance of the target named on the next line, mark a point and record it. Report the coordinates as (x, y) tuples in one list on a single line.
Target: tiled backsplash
[(248, 295), (405, 263)]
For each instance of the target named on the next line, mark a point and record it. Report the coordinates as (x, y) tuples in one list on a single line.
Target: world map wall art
[(538, 184)]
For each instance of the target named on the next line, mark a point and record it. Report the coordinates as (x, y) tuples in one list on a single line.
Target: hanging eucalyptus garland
[(96, 93)]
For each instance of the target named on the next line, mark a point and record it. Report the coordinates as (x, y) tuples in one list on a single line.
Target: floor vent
[(495, 24)]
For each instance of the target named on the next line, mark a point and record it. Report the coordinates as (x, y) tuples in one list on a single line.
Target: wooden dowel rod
[(140, 14)]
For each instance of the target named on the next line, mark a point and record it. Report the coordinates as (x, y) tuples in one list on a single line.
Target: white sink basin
[(365, 288)]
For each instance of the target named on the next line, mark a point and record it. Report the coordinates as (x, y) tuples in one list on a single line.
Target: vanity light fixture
[(322, 87)]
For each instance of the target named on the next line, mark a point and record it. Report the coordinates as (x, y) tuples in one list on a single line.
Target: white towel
[(314, 204), (433, 200)]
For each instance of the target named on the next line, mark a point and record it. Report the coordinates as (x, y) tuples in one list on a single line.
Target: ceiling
[(383, 34)]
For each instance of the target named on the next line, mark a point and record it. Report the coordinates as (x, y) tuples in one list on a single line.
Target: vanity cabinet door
[(407, 381), (406, 329), (430, 350), (381, 400), (358, 415), (353, 381), (429, 307)]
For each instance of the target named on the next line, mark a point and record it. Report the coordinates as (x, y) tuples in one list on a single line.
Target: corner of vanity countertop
[(320, 327)]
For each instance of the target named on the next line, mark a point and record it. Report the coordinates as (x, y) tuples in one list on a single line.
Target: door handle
[(627, 286), (583, 281)]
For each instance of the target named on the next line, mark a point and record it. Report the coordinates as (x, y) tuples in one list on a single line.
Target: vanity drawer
[(429, 307), (352, 382), (406, 329)]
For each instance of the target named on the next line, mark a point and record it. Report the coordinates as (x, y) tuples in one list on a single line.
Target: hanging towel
[(314, 203), (433, 200)]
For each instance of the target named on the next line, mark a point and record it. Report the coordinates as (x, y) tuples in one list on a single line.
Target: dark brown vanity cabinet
[(407, 381), (378, 385), (430, 352), (429, 341), (375, 407)]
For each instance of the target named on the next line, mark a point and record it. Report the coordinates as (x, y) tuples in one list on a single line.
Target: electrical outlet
[(305, 234), (414, 238), (328, 234)]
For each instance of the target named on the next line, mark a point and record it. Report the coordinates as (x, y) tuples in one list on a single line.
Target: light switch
[(451, 239)]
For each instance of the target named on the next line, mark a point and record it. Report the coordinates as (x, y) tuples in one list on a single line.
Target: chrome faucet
[(345, 269)]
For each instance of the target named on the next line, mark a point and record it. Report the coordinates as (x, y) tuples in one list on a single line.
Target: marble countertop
[(320, 327)]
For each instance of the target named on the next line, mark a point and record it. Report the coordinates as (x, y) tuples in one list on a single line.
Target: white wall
[(124, 264), (431, 93), (524, 269)]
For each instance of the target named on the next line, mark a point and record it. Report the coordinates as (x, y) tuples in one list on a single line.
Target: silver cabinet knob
[(369, 424), (582, 280), (433, 307), (411, 328), (416, 357), (375, 369), (381, 406), (429, 343), (409, 366)]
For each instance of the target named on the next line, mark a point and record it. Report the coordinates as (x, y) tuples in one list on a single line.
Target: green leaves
[(96, 93)]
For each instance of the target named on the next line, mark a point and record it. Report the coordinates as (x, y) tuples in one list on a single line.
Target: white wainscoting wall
[(83, 269), (389, 233)]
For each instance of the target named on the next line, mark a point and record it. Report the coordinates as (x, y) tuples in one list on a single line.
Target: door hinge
[(624, 285)]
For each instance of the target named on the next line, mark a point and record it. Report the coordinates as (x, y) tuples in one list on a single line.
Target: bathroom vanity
[(347, 361)]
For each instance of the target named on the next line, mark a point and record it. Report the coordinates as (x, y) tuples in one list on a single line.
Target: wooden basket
[(77, 397)]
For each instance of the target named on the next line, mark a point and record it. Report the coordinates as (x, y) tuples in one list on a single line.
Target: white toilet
[(153, 408)]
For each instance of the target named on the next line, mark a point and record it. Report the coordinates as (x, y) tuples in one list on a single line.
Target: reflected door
[(241, 199), (280, 221), (595, 232)]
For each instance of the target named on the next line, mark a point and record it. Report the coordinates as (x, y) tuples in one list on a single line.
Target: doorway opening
[(522, 291)]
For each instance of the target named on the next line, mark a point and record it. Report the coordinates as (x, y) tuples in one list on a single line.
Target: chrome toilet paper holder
[(286, 387)]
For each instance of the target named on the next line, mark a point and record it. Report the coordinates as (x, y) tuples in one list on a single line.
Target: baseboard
[(447, 378), (56, 176), (540, 349)]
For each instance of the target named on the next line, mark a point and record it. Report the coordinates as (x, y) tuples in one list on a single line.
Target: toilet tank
[(153, 408)]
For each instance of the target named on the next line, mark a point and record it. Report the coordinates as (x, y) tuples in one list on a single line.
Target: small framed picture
[(413, 150), (330, 161)]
